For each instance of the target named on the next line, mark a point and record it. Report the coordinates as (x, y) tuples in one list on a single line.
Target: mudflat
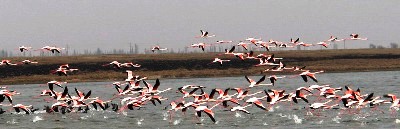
[(195, 65)]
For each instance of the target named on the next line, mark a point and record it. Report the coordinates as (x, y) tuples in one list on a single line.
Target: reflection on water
[(284, 115)]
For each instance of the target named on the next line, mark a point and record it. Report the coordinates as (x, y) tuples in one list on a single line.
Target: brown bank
[(195, 65)]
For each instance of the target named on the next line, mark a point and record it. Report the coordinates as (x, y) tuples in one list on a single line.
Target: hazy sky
[(108, 24)]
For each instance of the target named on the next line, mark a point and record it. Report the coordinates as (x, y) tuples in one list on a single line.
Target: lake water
[(283, 115)]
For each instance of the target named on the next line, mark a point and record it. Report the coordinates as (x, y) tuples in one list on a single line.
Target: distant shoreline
[(167, 66)]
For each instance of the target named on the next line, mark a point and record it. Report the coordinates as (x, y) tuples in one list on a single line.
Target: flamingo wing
[(261, 80), (155, 87)]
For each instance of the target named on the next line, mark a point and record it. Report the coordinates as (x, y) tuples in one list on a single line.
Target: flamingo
[(115, 64), (206, 110), (243, 44), (258, 83), (52, 49), (230, 52), (23, 48), (355, 37), (224, 41), (333, 39), (242, 94), (8, 94), (158, 48), (253, 40), (219, 61), (204, 34), (323, 44), (394, 100), (274, 78), (28, 62), (240, 108), (130, 64), (307, 73), (6, 62), (300, 95), (305, 44), (102, 104), (256, 101), (25, 108), (322, 105), (294, 41), (199, 45)]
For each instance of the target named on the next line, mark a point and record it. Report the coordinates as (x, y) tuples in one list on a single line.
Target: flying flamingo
[(230, 51), (23, 48), (258, 83), (206, 110), (322, 105), (333, 39), (253, 40), (219, 61), (204, 34), (305, 44), (243, 44), (130, 64), (224, 41), (323, 44), (240, 108), (19, 107), (158, 48), (394, 100), (355, 37), (52, 49), (294, 41), (274, 78), (199, 45), (256, 101), (28, 62), (307, 73), (6, 62)]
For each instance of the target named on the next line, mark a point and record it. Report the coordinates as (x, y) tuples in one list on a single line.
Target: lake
[(281, 115)]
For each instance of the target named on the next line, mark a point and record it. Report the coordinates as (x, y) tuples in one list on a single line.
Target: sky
[(105, 24)]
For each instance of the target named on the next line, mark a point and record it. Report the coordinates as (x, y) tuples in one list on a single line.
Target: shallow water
[(282, 115)]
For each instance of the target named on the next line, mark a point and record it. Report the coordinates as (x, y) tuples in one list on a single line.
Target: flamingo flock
[(263, 93)]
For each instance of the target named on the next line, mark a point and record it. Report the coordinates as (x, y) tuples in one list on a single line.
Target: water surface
[(282, 115)]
